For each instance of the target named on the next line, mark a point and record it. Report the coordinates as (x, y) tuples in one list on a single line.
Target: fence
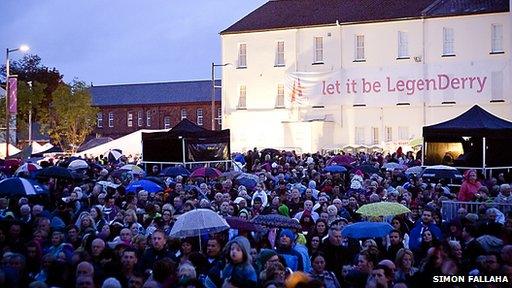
[(449, 208)]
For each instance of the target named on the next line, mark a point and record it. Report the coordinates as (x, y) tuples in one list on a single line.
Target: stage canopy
[(460, 141), (186, 142)]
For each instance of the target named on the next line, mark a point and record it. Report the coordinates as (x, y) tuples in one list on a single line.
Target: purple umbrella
[(242, 224), (206, 172)]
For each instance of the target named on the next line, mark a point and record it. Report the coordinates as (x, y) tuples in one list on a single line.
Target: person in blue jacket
[(426, 222)]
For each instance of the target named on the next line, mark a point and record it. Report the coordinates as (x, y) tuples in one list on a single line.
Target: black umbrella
[(368, 169), (175, 171), (277, 221), (55, 172), (156, 180), (441, 172)]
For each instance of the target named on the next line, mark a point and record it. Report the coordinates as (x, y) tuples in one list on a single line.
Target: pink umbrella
[(206, 172)]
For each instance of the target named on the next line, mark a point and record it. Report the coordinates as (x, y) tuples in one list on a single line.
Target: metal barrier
[(449, 208)]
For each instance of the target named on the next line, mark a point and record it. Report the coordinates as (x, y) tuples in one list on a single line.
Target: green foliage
[(70, 118)]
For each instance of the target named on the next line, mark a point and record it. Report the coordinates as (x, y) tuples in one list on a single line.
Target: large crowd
[(93, 233)]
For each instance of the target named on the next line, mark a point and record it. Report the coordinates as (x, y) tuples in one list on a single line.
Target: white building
[(322, 73)]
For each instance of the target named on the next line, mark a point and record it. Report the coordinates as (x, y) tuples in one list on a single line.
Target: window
[(148, 118), (219, 116), (183, 114), (280, 96), (167, 122), (111, 119), (389, 134), (129, 119), (403, 49), (403, 133), (448, 42), (375, 135), (242, 56), (242, 100), (359, 48), (280, 54), (497, 86), (497, 38), (319, 50), (99, 120), (359, 135), (139, 118), (199, 113)]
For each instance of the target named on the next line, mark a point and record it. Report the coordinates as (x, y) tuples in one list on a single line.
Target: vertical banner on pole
[(13, 91)]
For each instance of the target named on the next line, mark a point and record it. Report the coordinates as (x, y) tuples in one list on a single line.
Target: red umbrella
[(206, 172)]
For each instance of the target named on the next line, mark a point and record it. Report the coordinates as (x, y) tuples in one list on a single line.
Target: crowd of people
[(93, 233)]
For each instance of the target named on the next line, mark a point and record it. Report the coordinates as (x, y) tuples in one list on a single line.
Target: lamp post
[(22, 48), (213, 90)]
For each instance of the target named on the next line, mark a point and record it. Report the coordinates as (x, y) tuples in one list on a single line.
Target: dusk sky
[(122, 41)]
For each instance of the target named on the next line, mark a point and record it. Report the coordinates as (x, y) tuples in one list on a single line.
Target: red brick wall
[(158, 112)]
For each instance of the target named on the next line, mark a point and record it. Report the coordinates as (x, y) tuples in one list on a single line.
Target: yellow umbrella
[(382, 209)]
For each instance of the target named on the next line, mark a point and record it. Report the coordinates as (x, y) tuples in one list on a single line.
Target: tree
[(71, 118)]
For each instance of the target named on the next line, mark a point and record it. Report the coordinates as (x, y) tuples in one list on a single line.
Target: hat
[(288, 233), (264, 255), (238, 200), (472, 217), (284, 210)]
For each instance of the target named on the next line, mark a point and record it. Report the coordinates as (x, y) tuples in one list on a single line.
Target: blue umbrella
[(21, 187), (175, 171), (247, 180), (335, 169), (367, 230), (146, 185)]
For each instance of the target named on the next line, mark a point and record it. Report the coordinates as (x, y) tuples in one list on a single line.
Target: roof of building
[(154, 93), (281, 14)]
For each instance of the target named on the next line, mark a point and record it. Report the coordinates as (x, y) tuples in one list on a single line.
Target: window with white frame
[(140, 120), (375, 135), (280, 53), (389, 134), (359, 135), (496, 38), (403, 48), (497, 86), (110, 119), (148, 118), (403, 133), (319, 50), (99, 120), (242, 55), (183, 114), (448, 41), (219, 116), (242, 99), (199, 114), (359, 48), (280, 96), (167, 122), (129, 119)]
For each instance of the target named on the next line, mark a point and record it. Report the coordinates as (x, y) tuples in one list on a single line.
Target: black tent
[(461, 141), (186, 142)]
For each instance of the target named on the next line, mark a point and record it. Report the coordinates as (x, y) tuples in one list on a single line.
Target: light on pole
[(213, 90), (22, 48)]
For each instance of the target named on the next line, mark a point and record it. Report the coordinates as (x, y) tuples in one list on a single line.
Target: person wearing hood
[(294, 259), (469, 187), (239, 271)]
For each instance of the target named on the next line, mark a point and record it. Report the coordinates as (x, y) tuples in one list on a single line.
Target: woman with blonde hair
[(404, 265)]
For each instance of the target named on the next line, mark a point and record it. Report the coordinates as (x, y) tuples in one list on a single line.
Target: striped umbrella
[(27, 168), (21, 187)]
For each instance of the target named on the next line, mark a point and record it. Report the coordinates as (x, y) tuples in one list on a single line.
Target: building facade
[(126, 108), (324, 74)]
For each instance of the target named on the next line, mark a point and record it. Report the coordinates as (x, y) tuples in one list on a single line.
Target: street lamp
[(22, 48), (213, 90)]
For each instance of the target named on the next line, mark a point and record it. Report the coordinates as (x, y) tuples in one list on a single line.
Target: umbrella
[(368, 169), (276, 220), (27, 168), (147, 185), (206, 172), (247, 180), (382, 209), (20, 187), (157, 180), (441, 172), (231, 174), (366, 230), (341, 159), (335, 169), (198, 222), (113, 155), (55, 172), (108, 184), (175, 171), (390, 166), (271, 151), (134, 169), (78, 164), (414, 170), (242, 224)]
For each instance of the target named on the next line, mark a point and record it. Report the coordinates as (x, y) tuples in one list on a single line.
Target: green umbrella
[(382, 209)]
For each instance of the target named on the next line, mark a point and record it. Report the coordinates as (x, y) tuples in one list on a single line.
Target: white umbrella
[(78, 164), (198, 222)]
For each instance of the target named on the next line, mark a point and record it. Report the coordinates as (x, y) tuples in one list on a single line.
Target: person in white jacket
[(261, 194)]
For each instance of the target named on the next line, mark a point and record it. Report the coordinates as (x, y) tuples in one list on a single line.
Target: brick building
[(125, 108)]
